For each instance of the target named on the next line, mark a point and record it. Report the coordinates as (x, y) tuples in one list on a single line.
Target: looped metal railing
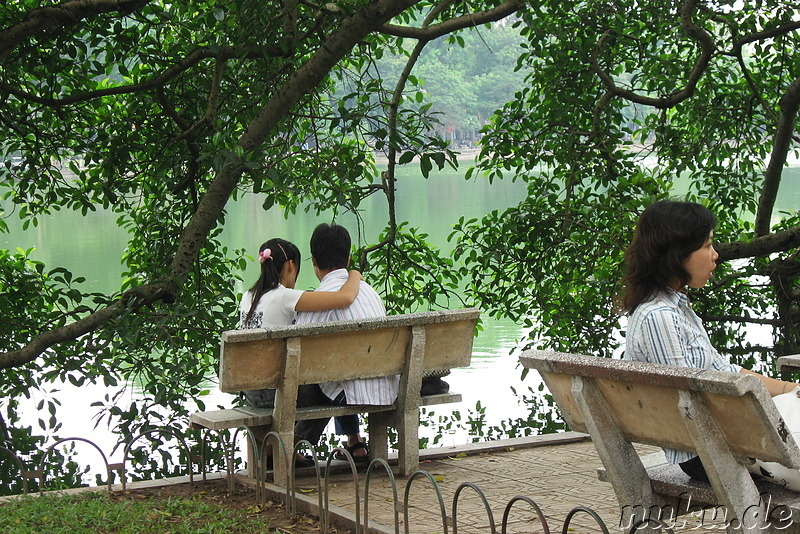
[(591, 513), (356, 491), (20, 465), (382, 463), (43, 461), (177, 434), (272, 446), (303, 444), (532, 504), (486, 506), (439, 498)]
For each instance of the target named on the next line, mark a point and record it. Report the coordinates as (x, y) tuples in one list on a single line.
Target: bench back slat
[(344, 350), (643, 398)]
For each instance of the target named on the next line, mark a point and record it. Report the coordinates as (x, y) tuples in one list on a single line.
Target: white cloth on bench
[(788, 405)]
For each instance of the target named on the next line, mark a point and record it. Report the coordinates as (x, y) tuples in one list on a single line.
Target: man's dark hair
[(330, 246)]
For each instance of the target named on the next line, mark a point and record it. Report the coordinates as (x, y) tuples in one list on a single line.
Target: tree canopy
[(162, 112)]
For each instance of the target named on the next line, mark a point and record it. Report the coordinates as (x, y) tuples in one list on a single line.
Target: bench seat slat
[(252, 416)]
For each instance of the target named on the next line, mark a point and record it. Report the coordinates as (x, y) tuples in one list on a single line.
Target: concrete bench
[(725, 418), (790, 363), (286, 357)]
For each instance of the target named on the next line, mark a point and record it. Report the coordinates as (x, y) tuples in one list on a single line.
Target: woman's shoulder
[(661, 300), (657, 306), (283, 291)]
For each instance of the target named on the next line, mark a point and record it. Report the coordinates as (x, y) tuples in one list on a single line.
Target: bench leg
[(408, 441), (624, 468), (377, 429), (407, 414), (283, 415), (730, 479)]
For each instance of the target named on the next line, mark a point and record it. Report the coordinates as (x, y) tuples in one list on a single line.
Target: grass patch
[(99, 513)]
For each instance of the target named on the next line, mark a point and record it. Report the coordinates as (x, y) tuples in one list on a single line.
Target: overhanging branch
[(790, 102), (760, 246), (707, 49), (130, 301), (160, 80), (429, 33), (63, 14)]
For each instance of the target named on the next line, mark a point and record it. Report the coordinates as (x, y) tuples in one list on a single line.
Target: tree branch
[(770, 33), (290, 23), (707, 49), (64, 14), (429, 33), (131, 300), (790, 101), (741, 319), (158, 81), (760, 246)]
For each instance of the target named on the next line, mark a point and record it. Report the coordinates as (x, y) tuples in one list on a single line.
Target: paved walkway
[(558, 472)]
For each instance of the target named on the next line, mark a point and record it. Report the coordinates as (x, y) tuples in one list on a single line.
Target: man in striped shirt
[(330, 255)]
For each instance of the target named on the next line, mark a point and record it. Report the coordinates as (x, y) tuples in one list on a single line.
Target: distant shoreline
[(464, 154)]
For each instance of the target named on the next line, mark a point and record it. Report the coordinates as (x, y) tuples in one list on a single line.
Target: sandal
[(339, 455), (299, 463)]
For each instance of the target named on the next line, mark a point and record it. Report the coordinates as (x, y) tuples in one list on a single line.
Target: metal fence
[(449, 521)]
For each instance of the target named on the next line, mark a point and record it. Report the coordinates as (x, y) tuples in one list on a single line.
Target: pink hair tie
[(285, 255), (264, 255)]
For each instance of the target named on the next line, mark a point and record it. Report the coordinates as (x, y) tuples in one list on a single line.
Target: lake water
[(91, 246)]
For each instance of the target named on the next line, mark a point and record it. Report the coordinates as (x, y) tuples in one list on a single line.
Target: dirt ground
[(243, 499)]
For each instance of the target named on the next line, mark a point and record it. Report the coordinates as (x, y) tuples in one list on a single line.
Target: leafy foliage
[(161, 112)]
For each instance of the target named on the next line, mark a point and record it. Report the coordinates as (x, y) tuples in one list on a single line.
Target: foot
[(300, 461), (357, 450)]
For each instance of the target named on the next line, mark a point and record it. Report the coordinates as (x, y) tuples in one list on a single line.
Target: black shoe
[(433, 386), (339, 455), (305, 462), (299, 463)]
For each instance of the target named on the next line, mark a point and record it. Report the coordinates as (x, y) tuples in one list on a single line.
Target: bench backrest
[(344, 350), (643, 398)]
